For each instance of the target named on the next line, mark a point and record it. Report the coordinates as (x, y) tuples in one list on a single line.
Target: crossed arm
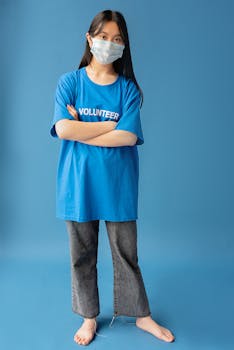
[(93, 133), (113, 138)]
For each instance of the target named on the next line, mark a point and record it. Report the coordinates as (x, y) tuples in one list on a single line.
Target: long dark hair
[(122, 65)]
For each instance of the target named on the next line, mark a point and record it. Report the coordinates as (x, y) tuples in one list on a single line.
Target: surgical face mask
[(106, 51)]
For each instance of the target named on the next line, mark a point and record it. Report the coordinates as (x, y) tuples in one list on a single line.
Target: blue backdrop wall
[(183, 57)]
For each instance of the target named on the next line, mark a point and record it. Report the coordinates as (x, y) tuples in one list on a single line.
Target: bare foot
[(86, 332), (149, 325)]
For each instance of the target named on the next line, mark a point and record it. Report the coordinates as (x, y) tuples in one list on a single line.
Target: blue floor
[(196, 303)]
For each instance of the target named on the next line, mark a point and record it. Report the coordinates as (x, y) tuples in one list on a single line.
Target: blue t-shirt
[(96, 182)]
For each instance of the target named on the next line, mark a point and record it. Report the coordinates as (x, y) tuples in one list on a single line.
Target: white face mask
[(106, 51)]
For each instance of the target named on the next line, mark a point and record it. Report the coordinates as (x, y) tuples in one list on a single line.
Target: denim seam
[(115, 285)]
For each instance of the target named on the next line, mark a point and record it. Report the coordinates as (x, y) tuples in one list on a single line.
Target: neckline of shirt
[(95, 84)]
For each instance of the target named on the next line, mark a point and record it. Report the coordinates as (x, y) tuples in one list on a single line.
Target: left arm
[(113, 138)]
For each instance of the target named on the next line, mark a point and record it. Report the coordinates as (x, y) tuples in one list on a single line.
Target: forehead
[(111, 28)]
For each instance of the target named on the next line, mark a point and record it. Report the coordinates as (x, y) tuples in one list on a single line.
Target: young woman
[(97, 118)]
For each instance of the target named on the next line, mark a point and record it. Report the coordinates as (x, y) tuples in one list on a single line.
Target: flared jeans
[(129, 294)]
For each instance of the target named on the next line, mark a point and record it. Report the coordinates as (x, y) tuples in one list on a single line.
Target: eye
[(102, 36), (119, 40)]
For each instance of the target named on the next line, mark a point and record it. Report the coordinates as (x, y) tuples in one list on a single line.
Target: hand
[(73, 111)]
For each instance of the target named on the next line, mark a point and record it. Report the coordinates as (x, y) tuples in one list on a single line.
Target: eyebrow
[(107, 33)]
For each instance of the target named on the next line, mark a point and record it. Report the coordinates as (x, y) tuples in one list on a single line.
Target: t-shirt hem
[(74, 218)]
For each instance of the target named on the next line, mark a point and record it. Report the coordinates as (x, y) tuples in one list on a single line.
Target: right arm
[(64, 126), (76, 130)]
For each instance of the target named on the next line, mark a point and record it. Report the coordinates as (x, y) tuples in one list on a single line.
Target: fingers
[(72, 111), (71, 108)]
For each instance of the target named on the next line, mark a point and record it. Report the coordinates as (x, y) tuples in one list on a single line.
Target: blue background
[(183, 58)]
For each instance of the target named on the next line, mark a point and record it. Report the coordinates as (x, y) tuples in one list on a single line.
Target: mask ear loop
[(92, 43), (98, 334), (110, 325), (101, 335), (122, 320)]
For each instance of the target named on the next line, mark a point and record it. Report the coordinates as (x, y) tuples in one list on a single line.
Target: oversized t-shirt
[(96, 182)]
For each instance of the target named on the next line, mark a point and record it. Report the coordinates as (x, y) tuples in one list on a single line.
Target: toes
[(77, 339), (164, 334), (168, 336), (83, 338), (167, 332), (82, 341)]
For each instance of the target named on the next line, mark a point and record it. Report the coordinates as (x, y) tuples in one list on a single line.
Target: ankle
[(143, 318), (90, 319)]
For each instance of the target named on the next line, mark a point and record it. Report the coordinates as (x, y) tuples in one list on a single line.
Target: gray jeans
[(130, 298)]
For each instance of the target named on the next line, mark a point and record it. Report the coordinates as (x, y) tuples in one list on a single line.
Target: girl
[(97, 118)]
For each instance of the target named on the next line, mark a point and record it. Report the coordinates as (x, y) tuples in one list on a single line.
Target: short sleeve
[(64, 94), (130, 119)]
